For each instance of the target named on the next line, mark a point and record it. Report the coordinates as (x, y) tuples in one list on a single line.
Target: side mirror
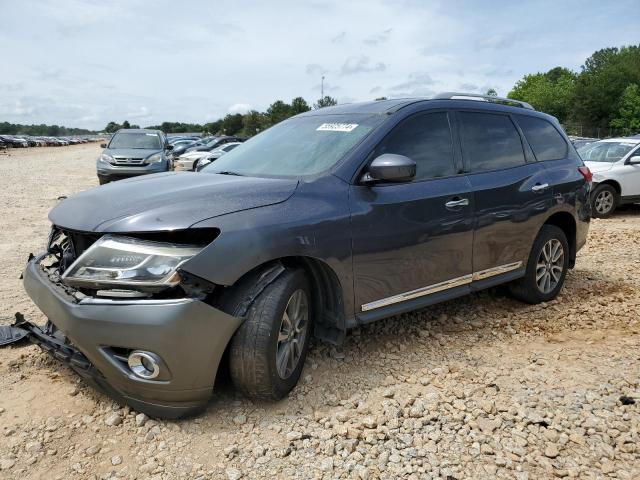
[(635, 160), (168, 147), (390, 167), (103, 145)]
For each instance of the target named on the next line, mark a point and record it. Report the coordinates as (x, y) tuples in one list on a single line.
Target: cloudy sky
[(82, 63)]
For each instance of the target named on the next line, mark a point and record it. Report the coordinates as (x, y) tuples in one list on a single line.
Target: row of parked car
[(194, 153), (24, 141)]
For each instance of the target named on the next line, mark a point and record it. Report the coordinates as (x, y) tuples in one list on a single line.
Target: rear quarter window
[(546, 142)]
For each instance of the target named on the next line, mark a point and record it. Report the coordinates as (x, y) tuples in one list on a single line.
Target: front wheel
[(269, 349), (546, 268), (604, 201)]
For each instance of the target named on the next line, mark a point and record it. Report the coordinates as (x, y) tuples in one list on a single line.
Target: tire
[(255, 348), (102, 181), (604, 201), (528, 288)]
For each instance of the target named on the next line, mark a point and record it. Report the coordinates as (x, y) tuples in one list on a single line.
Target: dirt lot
[(480, 387)]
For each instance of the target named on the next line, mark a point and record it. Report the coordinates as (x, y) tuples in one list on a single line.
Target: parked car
[(328, 220), (132, 152), (187, 161), (179, 150), (212, 156), (214, 143), (14, 142), (615, 164)]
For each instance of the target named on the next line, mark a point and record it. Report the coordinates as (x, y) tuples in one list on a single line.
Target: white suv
[(615, 164)]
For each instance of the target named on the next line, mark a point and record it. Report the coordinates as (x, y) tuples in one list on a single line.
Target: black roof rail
[(481, 98)]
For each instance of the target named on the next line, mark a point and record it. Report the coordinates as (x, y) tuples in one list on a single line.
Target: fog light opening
[(144, 364)]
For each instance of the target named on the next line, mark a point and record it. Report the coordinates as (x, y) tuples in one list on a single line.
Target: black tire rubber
[(252, 353), (594, 195), (526, 289), (102, 181)]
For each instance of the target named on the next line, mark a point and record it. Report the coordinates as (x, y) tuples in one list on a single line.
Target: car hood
[(131, 152), (166, 201), (597, 167)]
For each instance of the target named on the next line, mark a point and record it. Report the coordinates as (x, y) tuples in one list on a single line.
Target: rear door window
[(490, 141), (545, 140)]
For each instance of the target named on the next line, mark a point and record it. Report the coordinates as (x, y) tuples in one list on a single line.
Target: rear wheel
[(604, 201), (269, 349), (546, 268)]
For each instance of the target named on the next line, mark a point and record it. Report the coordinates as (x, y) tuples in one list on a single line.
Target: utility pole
[(322, 87)]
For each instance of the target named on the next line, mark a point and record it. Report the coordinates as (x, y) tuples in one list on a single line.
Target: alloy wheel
[(550, 265), (292, 334), (604, 202)]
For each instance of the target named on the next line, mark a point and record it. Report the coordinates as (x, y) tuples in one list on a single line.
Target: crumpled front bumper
[(188, 335)]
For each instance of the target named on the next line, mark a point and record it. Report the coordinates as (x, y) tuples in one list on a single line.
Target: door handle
[(539, 187), (461, 202)]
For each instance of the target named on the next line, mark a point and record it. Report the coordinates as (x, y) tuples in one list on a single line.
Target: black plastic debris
[(627, 400), (9, 335)]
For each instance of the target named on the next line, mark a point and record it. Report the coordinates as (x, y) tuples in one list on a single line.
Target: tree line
[(604, 96), (42, 130), (247, 124)]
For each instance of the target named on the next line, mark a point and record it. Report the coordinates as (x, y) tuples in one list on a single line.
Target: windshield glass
[(297, 147), (135, 140), (605, 151)]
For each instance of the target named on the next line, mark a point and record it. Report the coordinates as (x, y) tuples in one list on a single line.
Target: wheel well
[(327, 298), (614, 184), (326, 291), (565, 222)]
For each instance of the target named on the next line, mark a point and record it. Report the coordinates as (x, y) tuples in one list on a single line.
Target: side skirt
[(478, 283)]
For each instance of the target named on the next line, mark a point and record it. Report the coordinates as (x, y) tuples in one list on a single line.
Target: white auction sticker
[(337, 127)]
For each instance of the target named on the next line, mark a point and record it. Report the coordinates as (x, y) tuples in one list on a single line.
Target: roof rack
[(481, 98)]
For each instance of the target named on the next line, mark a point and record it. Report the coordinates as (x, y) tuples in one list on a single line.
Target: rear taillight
[(586, 173)]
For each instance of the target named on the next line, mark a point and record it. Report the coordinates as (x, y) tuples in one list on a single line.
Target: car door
[(412, 239), (511, 192), (628, 173)]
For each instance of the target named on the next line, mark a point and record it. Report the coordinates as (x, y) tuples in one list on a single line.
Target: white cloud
[(239, 108), (192, 67)]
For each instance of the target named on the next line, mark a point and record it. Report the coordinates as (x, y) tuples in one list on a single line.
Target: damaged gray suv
[(329, 220)]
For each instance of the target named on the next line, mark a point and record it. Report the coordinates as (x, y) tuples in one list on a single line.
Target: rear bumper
[(188, 335)]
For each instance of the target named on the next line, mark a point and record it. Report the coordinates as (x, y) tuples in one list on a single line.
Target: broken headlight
[(114, 261)]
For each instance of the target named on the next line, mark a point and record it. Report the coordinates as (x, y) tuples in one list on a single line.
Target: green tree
[(126, 124), (491, 93), (212, 127), (628, 117), (602, 82), (232, 123), (327, 101), (279, 111), (381, 98), (299, 105), (550, 92), (254, 122), (112, 127)]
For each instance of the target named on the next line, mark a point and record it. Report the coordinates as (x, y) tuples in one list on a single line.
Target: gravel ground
[(480, 387)]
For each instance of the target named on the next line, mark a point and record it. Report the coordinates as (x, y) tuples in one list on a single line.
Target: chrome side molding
[(490, 272), (438, 287), (401, 297)]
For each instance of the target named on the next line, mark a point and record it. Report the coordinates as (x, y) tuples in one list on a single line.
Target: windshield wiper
[(226, 172)]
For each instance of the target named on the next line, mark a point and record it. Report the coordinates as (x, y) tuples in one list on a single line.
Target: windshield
[(297, 147), (609, 152), (148, 141)]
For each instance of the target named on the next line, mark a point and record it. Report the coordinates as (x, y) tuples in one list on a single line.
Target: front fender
[(313, 223)]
